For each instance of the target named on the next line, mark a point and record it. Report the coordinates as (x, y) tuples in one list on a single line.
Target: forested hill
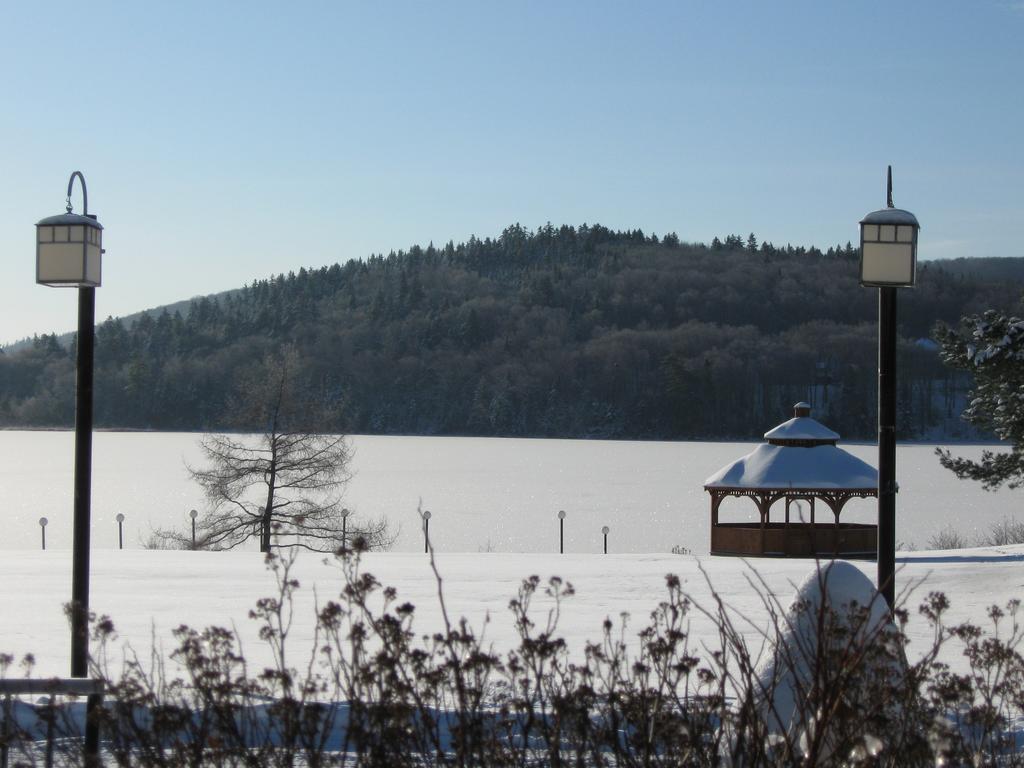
[(574, 332)]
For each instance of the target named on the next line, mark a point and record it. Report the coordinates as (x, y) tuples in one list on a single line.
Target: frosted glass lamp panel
[(887, 233), (871, 232), (904, 234), (93, 266), (60, 234), (887, 264), (60, 263)]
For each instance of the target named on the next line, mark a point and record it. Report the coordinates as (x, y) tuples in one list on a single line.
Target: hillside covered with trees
[(563, 331)]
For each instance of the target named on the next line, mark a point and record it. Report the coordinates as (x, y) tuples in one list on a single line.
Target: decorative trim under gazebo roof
[(800, 460)]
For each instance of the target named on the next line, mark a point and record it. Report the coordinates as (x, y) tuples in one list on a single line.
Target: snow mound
[(839, 605)]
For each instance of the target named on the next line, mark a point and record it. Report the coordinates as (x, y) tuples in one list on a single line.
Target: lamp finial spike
[(888, 189)]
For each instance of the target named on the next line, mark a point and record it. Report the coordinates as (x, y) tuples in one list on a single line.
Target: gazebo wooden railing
[(792, 538)]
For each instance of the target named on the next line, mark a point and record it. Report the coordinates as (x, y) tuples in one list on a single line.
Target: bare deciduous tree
[(282, 485)]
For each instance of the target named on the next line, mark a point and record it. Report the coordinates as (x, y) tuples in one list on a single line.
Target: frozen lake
[(484, 493)]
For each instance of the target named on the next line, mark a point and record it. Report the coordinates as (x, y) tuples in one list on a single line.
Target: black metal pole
[(193, 533), (606, 543), (561, 536), (887, 444), (83, 485), (426, 535), (93, 705), (344, 530), (120, 535), (43, 527)]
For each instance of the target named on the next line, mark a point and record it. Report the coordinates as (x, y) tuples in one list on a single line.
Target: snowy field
[(149, 593), (484, 493)]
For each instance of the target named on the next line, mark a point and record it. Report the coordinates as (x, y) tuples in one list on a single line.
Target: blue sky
[(224, 142)]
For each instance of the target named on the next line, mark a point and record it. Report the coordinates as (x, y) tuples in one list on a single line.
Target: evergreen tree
[(990, 346)]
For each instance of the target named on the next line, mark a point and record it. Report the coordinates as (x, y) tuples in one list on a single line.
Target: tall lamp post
[(888, 248), (69, 251)]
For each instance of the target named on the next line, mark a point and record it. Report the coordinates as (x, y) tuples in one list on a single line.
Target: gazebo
[(799, 460)]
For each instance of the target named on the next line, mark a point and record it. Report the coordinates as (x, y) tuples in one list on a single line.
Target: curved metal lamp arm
[(85, 195)]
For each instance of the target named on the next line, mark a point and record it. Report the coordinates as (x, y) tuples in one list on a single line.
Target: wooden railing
[(53, 687), (794, 540)]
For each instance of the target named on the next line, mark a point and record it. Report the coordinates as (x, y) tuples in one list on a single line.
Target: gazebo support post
[(716, 502), (762, 509)]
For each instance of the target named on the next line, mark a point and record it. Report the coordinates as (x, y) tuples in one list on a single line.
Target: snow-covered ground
[(484, 493), (149, 593)]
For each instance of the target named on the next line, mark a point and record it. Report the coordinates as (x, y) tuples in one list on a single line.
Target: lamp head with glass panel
[(69, 251), (888, 249)]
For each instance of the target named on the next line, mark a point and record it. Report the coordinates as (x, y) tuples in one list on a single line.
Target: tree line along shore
[(554, 332)]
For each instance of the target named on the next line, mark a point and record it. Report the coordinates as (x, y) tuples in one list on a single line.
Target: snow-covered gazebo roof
[(800, 454), (781, 467), (801, 429)]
